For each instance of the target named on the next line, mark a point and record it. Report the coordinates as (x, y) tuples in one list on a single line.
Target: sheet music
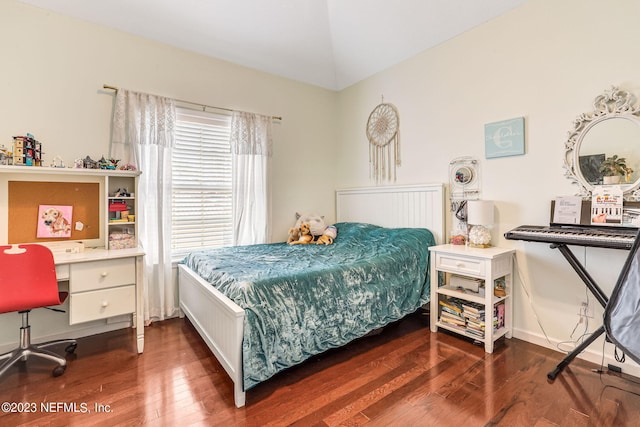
[(606, 205), (567, 210)]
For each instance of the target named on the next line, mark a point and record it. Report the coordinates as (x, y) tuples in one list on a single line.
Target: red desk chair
[(27, 281)]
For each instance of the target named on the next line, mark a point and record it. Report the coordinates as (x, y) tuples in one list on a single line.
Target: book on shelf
[(452, 304), (451, 312), (471, 316), (448, 318), (474, 314), (473, 308), (476, 324), (475, 333), (499, 312)]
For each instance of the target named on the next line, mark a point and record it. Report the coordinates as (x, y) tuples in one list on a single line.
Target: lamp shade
[(480, 212)]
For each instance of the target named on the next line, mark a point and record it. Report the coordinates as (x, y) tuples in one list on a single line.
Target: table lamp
[(479, 218)]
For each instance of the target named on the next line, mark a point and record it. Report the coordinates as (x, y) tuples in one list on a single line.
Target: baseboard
[(593, 353)]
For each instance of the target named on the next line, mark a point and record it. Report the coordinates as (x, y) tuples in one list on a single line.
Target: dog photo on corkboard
[(54, 221)]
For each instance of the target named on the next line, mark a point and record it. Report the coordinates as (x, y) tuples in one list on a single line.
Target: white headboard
[(420, 206)]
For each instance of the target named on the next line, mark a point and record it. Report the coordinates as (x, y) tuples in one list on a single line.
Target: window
[(201, 188)]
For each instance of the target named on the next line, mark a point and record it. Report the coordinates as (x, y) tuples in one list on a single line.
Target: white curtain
[(251, 143), (143, 135)]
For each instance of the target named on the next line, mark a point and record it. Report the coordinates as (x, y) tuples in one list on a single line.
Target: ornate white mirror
[(604, 145)]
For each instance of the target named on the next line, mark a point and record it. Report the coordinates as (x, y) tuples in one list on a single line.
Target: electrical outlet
[(585, 309)]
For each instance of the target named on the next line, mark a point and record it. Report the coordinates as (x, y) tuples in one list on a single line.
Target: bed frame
[(220, 321)]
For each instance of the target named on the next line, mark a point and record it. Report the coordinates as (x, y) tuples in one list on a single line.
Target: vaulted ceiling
[(328, 43)]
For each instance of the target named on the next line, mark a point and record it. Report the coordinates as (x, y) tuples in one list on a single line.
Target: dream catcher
[(384, 141)]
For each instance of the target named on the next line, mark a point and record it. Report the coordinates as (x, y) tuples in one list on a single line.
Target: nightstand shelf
[(480, 315)]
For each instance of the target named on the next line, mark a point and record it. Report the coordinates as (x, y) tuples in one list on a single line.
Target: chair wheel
[(58, 370), (71, 348)]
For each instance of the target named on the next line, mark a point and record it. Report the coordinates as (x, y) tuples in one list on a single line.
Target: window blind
[(201, 183)]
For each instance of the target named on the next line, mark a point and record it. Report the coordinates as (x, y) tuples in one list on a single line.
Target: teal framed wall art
[(504, 138)]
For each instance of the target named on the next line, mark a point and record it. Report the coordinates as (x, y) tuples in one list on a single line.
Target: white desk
[(104, 283)]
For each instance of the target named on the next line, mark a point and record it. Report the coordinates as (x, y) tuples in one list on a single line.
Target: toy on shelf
[(110, 164), (120, 211), (27, 151), (89, 163), (6, 156), (122, 192), (57, 162)]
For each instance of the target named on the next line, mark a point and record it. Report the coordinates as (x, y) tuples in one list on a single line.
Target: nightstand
[(484, 315)]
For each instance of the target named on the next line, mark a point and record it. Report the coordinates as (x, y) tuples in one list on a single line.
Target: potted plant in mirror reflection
[(613, 169)]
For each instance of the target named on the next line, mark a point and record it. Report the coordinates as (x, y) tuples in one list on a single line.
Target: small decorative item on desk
[(479, 217), (458, 239)]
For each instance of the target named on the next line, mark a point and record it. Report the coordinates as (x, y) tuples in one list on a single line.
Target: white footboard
[(219, 321)]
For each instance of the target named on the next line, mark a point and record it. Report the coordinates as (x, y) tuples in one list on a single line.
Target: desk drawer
[(464, 265), (87, 306), (62, 272), (88, 276)]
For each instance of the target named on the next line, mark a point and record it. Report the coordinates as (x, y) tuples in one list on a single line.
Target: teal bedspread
[(301, 300)]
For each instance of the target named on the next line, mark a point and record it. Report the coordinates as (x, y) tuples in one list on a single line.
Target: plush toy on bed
[(322, 234), (316, 223), (305, 235), (294, 234), (328, 236)]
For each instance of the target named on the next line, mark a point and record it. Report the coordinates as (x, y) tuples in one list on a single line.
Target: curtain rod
[(204, 106)]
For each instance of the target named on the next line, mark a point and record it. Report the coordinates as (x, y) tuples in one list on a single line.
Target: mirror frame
[(610, 104)]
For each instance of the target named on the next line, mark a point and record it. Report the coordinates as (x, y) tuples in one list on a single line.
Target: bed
[(264, 308)]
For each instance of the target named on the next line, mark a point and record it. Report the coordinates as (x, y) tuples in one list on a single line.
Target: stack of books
[(451, 312), (474, 315), (498, 316)]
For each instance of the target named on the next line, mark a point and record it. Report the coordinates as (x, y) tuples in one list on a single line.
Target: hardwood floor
[(404, 376)]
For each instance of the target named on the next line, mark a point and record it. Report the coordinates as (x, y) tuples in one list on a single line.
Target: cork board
[(25, 198)]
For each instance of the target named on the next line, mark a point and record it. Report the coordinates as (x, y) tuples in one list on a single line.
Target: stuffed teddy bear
[(328, 236), (322, 234), (305, 235), (294, 234), (316, 223)]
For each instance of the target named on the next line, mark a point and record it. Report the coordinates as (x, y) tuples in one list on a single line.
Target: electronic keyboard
[(603, 237)]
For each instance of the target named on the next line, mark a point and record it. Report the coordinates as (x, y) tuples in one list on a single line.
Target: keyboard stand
[(597, 293)]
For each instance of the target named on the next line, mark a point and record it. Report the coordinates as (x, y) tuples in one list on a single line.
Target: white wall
[(546, 61), (51, 77)]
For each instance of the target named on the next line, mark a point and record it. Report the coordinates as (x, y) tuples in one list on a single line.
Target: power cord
[(526, 291), (583, 318), (601, 371)]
